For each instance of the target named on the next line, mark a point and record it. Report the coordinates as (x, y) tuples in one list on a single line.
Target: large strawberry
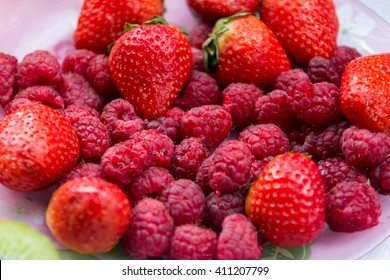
[(287, 202), (150, 65), (243, 49), (365, 92), (102, 21), (37, 147), (305, 28)]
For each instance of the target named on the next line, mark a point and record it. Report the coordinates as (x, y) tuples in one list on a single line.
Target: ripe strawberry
[(37, 147), (242, 49), (88, 215), (305, 28), (101, 22), (150, 65), (287, 202), (365, 92)]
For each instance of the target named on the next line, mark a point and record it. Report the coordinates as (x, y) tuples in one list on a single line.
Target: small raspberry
[(272, 108), (197, 59), (265, 140), (16, 104), (198, 34), (192, 242), (42, 94), (210, 123), (150, 230), (202, 177), (352, 206), (38, 68), (290, 77), (321, 69), (258, 166), (230, 166), (219, 206), (380, 175), (239, 100), (201, 89), (83, 170), (185, 201), (8, 69), (343, 55), (75, 90), (150, 182), (304, 139), (337, 170), (238, 239), (364, 148), (73, 113), (77, 61)]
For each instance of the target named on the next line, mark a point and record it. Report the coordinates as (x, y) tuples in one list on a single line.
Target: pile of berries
[(217, 164)]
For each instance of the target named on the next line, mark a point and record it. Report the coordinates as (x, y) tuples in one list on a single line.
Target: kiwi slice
[(19, 241)]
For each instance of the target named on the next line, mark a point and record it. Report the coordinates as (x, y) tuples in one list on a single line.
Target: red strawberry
[(150, 65), (101, 22), (305, 28), (365, 92), (88, 215), (37, 147), (287, 202), (242, 49)]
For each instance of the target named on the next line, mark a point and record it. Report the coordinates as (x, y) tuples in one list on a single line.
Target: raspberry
[(77, 61), (210, 123), (337, 170), (202, 177), (272, 108), (185, 201), (197, 59), (150, 182), (94, 138), (265, 140), (343, 55), (364, 148), (258, 166), (238, 239), (42, 94), (73, 113), (219, 206), (75, 90), (304, 139), (83, 170), (230, 167), (8, 69), (201, 89), (192, 242), (121, 120), (380, 175), (239, 100), (38, 68), (290, 77), (199, 34), (187, 158), (321, 69), (169, 124), (150, 230), (16, 104), (352, 206), (317, 104)]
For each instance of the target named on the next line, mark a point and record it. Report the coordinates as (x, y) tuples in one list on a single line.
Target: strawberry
[(88, 215), (101, 22), (305, 28), (365, 92), (242, 49), (37, 147), (287, 202), (150, 65)]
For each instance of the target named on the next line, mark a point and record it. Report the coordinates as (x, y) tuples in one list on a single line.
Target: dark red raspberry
[(192, 242), (352, 206), (8, 69), (150, 182), (16, 104), (380, 175), (304, 139), (336, 170), (121, 120), (185, 201), (150, 230), (219, 206), (42, 94), (317, 104), (290, 77), (84, 170), (265, 140), (238, 239), (75, 90), (202, 177), (210, 123), (239, 100), (201, 89), (38, 68), (321, 69), (343, 55), (73, 113), (197, 59), (77, 61), (187, 158), (258, 166), (273, 108), (230, 167), (169, 123), (364, 148), (198, 34)]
